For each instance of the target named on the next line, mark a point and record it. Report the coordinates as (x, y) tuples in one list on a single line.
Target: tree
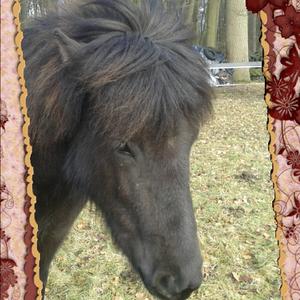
[(189, 6), (33, 8), (254, 33), (212, 19), (237, 36), (190, 9)]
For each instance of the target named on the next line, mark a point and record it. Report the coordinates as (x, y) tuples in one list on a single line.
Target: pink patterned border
[(19, 257), (281, 44)]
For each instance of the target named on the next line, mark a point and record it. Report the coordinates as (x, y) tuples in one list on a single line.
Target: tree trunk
[(190, 11), (253, 33), (221, 39), (213, 10), (188, 7), (196, 23), (237, 36)]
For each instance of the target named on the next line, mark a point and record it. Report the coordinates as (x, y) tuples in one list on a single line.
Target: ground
[(232, 196)]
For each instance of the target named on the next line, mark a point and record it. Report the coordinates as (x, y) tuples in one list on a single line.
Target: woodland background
[(224, 25), (230, 183)]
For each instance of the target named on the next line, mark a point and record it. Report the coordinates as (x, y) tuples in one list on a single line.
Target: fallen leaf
[(235, 276), (140, 296), (246, 278)]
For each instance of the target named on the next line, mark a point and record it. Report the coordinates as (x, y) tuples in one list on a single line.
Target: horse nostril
[(165, 281), (172, 287)]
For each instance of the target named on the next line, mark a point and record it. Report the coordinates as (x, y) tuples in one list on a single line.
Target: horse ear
[(67, 46)]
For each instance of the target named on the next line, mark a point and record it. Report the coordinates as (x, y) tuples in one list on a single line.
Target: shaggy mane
[(135, 70)]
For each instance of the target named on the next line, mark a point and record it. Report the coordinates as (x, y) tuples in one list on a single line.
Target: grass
[(232, 195)]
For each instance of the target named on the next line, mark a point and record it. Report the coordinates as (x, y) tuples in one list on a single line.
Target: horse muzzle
[(168, 285)]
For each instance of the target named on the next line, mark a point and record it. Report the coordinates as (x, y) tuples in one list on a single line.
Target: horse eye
[(123, 148)]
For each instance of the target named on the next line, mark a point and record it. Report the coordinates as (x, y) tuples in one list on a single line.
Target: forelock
[(136, 68), (140, 69)]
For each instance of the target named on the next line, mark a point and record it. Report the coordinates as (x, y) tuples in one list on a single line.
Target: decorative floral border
[(19, 258), (281, 45)]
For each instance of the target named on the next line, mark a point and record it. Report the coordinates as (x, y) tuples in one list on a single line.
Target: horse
[(116, 97)]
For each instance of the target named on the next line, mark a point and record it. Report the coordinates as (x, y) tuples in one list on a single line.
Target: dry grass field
[(232, 196)]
